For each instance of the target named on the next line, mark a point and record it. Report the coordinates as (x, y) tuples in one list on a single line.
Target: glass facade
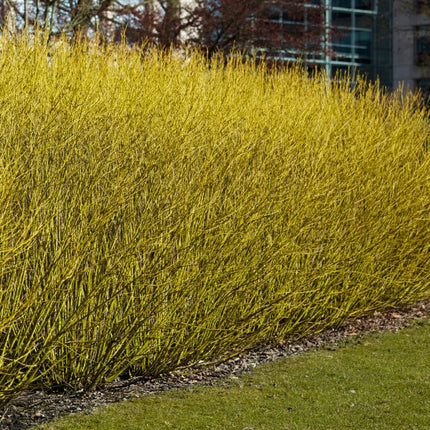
[(352, 45), (357, 38)]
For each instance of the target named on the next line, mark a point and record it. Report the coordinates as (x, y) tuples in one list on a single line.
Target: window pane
[(342, 3), (342, 19), (364, 20), (364, 4), (343, 49), (363, 45), (344, 39)]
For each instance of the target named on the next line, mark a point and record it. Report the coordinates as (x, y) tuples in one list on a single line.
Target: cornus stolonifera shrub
[(158, 210)]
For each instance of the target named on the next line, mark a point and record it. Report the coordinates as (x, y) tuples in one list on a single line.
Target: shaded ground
[(37, 407)]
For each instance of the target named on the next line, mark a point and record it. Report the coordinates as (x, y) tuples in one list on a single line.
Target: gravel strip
[(37, 407)]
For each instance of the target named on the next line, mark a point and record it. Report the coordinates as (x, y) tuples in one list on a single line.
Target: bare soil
[(37, 407)]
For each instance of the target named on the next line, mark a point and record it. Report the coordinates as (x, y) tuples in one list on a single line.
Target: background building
[(411, 45), (359, 39), (387, 40), (362, 39)]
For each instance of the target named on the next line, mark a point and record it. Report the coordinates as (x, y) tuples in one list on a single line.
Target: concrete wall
[(405, 20)]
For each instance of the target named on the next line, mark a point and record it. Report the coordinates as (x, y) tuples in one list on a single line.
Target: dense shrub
[(156, 211)]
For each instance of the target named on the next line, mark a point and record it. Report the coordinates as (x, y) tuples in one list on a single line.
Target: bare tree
[(220, 25), (275, 27), (72, 16)]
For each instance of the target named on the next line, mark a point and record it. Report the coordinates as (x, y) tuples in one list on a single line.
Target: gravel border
[(37, 407)]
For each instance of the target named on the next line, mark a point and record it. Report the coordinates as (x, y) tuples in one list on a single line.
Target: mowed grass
[(381, 382), (159, 209)]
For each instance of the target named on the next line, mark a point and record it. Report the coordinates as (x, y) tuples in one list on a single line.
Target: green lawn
[(381, 382)]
